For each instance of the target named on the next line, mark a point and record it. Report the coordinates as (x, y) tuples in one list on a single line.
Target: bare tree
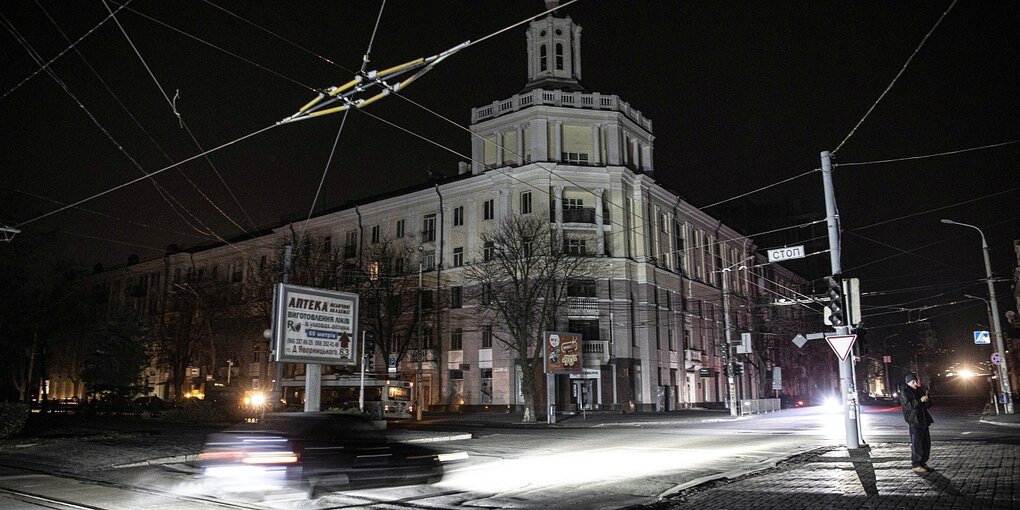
[(522, 281), (387, 290)]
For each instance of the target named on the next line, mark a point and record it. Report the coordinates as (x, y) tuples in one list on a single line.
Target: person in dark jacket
[(915, 403)]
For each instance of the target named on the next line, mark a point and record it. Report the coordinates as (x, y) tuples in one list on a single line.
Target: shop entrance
[(582, 394)]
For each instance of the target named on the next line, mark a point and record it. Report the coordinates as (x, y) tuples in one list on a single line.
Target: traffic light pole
[(846, 381)]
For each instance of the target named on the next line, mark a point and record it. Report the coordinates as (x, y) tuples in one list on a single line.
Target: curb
[(155, 462), (764, 465), (1000, 423)]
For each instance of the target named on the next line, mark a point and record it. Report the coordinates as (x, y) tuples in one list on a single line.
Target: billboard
[(314, 325), (562, 352)]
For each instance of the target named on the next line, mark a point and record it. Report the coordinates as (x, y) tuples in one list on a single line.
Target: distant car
[(790, 401), (312, 452)]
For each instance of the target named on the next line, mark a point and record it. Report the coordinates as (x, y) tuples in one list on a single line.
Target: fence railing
[(759, 406)]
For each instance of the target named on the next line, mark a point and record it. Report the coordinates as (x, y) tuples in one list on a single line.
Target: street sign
[(787, 253), (841, 344), (996, 359), (799, 341), (982, 338), (886, 359)]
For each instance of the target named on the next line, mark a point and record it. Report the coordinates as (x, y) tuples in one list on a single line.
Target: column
[(557, 152), (520, 145), (558, 210), (600, 241)]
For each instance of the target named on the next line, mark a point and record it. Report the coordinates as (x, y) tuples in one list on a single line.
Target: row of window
[(457, 338)]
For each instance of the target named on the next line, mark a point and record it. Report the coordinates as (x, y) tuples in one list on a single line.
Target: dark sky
[(742, 95)]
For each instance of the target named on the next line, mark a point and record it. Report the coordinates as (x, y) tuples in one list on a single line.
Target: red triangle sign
[(841, 344)]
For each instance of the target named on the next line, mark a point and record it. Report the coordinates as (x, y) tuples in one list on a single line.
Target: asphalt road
[(601, 467)]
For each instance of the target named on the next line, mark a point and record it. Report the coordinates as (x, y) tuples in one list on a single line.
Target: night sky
[(742, 95)]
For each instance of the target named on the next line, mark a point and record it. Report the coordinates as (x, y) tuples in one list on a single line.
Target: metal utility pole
[(728, 348), (999, 344), (846, 381), (277, 394)]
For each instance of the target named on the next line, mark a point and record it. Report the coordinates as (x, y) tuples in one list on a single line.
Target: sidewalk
[(968, 475)]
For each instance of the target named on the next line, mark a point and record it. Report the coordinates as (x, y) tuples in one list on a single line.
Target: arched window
[(542, 58), (559, 56)]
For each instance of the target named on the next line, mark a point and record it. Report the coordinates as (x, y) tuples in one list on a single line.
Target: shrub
[(200, 411), (12, 418)]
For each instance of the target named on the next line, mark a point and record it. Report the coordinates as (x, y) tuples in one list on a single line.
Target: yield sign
[(841, 344)]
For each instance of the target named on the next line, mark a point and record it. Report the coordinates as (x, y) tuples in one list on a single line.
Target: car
[(790, 401), (313, 453)]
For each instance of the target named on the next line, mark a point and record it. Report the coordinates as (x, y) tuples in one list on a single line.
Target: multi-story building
[(653, 328)]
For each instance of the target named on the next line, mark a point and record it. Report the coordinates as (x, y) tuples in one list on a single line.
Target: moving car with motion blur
[(313, 453)]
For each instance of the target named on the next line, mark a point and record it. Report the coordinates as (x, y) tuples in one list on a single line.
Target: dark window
[(400, 229), (488, 210), (575, 246), (428, 228), (457, 340), (526, 202), (350, 244), (458, 216), (559, 56), (581, 288), (486, 293), (458, 257), (375, 234), (455, 297), (487, 337), (543, 58), (588, 329), (456, 375), (488, 251)]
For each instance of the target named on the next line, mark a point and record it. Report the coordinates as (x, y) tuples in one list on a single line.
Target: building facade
[(655, 336)]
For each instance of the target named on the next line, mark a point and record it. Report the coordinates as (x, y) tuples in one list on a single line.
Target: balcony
[(593, 101), (582, 306), (692, 356), (596, 352), (579, 215)]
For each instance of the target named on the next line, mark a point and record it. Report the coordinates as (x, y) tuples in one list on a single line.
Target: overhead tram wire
[(175, 205), (148, 176), (893, 82), (194, 139), (34, 55), (343, 122), (927, 156), (46, 65)]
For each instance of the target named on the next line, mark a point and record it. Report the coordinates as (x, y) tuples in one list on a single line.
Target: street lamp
[(417, 381), (999, 345), (988, 305)]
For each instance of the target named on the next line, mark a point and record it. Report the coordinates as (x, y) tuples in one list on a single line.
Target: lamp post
[(886, 359), (417, 382), (999, 344)]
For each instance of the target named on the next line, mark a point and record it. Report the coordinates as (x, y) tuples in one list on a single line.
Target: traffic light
[(368, 357), (738, 368), (835, 300)]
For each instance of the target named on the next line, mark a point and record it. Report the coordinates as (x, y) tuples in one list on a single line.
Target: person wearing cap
[(915, 403)]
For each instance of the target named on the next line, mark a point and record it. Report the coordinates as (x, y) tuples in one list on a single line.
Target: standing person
[(915, 402)]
